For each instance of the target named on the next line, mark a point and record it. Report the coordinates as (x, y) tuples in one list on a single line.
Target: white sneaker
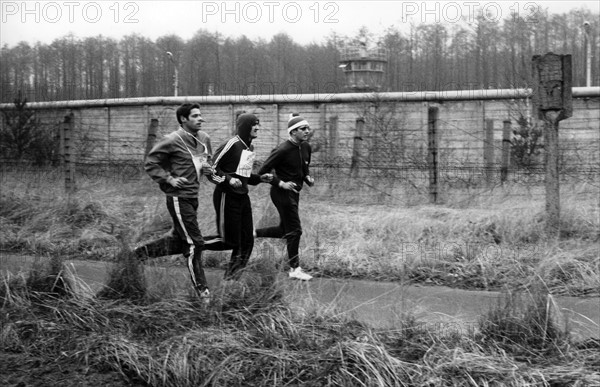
[(204, 295), (297, 273)]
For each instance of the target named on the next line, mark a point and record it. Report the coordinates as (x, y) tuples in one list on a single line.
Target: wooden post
[(233, 117), (320, 141), (552, 101), (506, 127), (488, 151), (356, 147), (333, 137), (432, 157), (275, 128), (108, 139), (322, 118), (151, 138), (67, 153), (552, 166)]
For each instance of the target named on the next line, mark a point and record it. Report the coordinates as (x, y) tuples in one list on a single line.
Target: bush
[(525, 324), (22, 137)]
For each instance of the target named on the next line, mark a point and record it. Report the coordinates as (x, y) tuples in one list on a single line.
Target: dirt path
[(379, 304)]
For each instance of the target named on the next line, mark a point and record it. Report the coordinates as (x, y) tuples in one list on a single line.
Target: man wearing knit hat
[(290, 160), (233, 162)]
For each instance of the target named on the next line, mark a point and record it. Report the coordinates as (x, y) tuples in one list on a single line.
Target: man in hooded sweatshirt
[(233, 162)]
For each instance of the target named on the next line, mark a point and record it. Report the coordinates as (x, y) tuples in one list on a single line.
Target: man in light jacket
[(177, 163)]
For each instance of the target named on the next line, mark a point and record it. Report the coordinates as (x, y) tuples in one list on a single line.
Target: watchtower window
[(376, 66)]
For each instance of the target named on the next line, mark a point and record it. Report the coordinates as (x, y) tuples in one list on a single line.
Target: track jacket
[(178, 154), (235, 158), (291, 163)]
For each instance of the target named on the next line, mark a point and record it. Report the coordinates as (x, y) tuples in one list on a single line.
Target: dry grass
[(484, 246), (484, 239), (248, 336), (526, 324)]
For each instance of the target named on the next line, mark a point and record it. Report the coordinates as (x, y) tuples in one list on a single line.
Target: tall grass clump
[(126, 280), (50, 278), (64, 225), (46, 278), (526, 323), (256, 290), (13, 290)]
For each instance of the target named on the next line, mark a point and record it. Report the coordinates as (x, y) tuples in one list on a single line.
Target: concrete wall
[(395, 131)]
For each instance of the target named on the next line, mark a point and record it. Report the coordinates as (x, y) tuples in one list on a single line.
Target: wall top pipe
[(416, 96)]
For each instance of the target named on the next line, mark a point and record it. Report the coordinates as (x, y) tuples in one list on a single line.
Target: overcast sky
[(305, 21)]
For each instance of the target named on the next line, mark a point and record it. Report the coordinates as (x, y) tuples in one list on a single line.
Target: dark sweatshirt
[(235, 158), (290, 161)]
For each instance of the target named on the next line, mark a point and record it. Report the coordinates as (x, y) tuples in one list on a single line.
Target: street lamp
[(588, 46), (176, 75)]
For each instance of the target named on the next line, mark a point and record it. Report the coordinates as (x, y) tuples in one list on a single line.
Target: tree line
[(480, 55)]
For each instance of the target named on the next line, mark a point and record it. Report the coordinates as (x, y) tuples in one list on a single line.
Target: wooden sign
[(552, 82), (553, 101)]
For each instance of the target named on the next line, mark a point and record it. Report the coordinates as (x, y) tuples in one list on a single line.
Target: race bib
[(244, 168), (198, 161)]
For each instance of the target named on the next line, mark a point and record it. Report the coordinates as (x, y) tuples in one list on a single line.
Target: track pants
[(185, 239), (289, 227), (234, 230)]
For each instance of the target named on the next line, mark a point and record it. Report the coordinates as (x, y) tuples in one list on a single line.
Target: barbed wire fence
[(387, 158), (391, 162)]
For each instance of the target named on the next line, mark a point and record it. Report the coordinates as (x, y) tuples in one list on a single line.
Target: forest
[(423, 57)]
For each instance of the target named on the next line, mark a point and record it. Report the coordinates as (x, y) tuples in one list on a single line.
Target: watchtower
[(364, 68)]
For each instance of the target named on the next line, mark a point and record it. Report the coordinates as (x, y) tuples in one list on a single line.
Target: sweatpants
[(185, 238), (286, 202), (234, 230)]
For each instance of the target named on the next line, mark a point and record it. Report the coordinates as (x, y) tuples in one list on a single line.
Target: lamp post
[(588, 56), (175, 75)]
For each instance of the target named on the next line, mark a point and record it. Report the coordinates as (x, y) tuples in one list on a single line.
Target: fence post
[(552, 81), (552, 182), (108, 135), (152, 131), (333, 136), (356, 151), (432, 157), (66, 150), (318, 135), (322, 118), (488, 150), (505, 150), (275, 128), (232, 118)]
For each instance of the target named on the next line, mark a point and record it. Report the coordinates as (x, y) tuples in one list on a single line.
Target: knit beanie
[(295, 122), (244, 125)]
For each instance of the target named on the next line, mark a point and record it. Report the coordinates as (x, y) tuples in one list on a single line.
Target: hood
[(244, 125)]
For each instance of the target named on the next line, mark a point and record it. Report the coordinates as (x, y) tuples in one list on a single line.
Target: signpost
[(552, 101)]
